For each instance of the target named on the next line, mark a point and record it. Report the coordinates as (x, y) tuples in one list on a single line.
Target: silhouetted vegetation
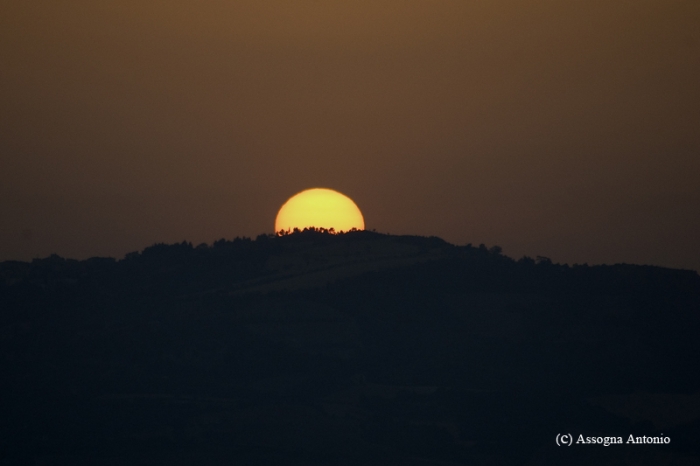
[(319, 347)]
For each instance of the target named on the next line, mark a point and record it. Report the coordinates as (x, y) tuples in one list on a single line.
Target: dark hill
[(359, 348)]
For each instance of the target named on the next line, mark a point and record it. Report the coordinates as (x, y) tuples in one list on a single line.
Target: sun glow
[(319, 208)]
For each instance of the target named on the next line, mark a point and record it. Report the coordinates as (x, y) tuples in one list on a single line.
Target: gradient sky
[(569, 129)]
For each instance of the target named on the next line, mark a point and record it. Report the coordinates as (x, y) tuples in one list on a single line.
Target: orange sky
[(565, 129)]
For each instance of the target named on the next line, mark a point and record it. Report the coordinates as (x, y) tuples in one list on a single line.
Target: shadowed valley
[(356, 348)]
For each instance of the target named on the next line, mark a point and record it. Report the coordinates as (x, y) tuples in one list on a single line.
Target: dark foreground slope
[(362, 348)]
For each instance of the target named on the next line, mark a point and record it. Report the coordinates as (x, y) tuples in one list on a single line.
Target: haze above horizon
[(562, 129)]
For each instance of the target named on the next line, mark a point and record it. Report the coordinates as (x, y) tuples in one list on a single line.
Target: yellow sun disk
[(320, 208)]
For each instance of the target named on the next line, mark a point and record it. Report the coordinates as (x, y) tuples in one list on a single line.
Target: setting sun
[(320, 208)]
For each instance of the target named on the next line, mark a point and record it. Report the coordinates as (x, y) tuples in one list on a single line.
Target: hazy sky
[(569, 129)]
